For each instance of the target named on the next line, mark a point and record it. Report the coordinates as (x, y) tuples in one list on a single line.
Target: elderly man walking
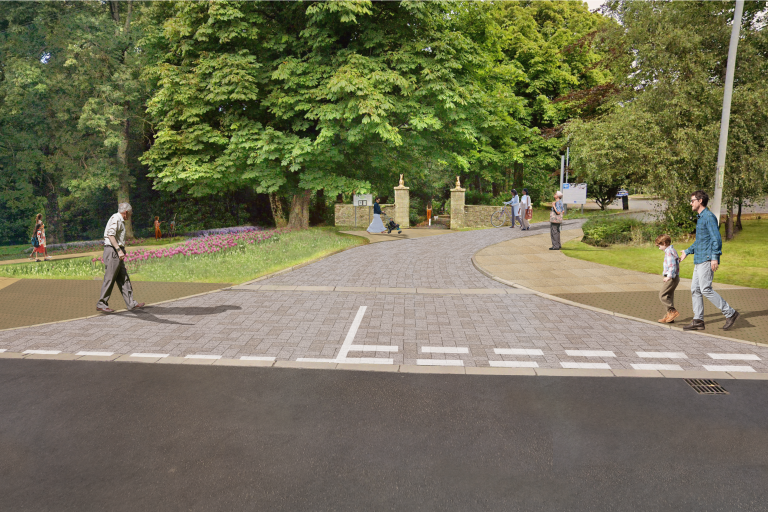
[(706, 250), (114, 256)]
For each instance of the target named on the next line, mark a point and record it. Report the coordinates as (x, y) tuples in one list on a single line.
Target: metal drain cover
[(706, 386)]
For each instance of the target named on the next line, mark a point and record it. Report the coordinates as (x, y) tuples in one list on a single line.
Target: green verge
[(234, 266), (743, 262)]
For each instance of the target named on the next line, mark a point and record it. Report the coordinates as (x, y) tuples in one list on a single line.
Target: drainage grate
[(706, 387)]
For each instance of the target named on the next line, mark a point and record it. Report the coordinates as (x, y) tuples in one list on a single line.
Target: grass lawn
[(233, 266), (743, 262)]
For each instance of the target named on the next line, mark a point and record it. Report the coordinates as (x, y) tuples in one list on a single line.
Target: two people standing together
[(522, 210), (38, 239)]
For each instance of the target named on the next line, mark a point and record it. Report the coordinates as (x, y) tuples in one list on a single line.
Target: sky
[(594, 4)]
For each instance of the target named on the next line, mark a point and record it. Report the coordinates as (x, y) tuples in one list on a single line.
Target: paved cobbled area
[(436, 262), (446, 329)]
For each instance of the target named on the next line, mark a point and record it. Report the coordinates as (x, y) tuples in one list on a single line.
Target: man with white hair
[(114, 261), (556, 220)]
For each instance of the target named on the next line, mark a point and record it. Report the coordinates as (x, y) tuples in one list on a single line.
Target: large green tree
[(660, 130), (299, 97)]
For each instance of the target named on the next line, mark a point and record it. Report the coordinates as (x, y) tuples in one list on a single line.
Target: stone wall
[(478, 215), (345, 214)]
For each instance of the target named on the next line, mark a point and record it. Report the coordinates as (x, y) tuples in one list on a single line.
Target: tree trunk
[(299, 215), (738, 216), (518, 181), (277, 210), (320, 207), (54, 230), (495, 189), (729, 222), (124, 189)]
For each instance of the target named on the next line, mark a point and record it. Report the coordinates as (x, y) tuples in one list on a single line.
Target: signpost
[(361, 200)]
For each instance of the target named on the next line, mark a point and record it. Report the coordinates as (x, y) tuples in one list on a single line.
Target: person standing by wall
[(706, 252), (114, 262), (515, 204), (525, 206), (556, 220)]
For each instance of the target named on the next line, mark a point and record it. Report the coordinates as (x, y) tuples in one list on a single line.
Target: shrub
[(610, 230), (605, 231)]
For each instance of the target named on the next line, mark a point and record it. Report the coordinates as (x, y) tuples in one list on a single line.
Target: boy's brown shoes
[(695, 325), (669, 318)]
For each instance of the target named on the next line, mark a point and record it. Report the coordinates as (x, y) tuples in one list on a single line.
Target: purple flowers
[(201, 246)]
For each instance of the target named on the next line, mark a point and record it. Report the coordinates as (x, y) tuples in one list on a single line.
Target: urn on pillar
[(402, 204), (457, 206)]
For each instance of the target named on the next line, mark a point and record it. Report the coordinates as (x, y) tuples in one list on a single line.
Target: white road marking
[(590, 353), (657, 367), (587, 366), (257, 358), (440, 362), (368, 360), (514, 364), (86, 353), (46, 352), (347, 347), (735, 357), (202, 356), (352, 332), (662, 355), (444, 350), (140, 354), (373, 348), (518, 351), (727, 368)]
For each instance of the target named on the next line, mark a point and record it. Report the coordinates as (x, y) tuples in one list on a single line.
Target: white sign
[(574, 193), (362, 199)]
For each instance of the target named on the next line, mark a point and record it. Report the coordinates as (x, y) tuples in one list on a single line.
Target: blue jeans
[(701, 286)]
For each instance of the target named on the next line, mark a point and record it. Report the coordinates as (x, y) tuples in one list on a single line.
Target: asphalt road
[(81, 436)]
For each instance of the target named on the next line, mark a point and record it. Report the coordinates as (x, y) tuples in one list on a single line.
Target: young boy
[(671, 278)]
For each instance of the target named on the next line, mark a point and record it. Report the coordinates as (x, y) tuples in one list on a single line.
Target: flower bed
[(224, 231), (204, 245)]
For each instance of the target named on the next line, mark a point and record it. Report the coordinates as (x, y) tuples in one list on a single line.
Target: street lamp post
[(725, 120)]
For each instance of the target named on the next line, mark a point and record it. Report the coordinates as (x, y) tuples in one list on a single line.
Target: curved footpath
[(413, 305)]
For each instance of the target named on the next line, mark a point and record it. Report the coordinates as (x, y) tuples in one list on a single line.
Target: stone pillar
[(457, 206), (402, 205)]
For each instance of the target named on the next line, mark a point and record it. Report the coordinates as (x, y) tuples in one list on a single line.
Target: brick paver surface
[(291, 324)]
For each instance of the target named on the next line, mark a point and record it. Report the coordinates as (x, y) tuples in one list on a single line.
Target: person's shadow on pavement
[(144, 314)]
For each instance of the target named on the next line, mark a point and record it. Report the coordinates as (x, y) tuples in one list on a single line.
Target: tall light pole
[(725, 120)]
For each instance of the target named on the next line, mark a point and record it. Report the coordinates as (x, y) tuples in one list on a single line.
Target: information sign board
[(574, 193), (362, 200)]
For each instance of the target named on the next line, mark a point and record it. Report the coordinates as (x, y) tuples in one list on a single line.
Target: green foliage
[(605, 231), (660, 131)]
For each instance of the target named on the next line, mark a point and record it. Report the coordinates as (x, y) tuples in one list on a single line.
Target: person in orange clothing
[(158, 234)]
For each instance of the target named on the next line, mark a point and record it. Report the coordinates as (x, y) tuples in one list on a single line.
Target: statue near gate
[(458, 183), (402, 183)]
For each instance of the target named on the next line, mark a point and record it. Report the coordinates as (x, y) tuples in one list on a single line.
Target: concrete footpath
[(528, 262)]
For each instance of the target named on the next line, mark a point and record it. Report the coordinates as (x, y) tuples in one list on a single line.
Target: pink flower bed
[(199, 246)]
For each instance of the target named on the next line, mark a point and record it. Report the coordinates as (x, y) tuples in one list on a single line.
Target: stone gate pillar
[(402, 205), (457, 206)]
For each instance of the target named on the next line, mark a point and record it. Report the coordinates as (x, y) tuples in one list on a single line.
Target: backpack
[(35, 241)]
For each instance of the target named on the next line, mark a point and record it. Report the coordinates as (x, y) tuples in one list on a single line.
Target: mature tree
[(298, 97), (661, 130)]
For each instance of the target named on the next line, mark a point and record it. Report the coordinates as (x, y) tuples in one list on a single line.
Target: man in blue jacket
[(706, 252)]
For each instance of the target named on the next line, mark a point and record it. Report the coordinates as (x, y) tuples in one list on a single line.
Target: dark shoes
[(730, 320), (105, 310), (553, 249), (695, 325)]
